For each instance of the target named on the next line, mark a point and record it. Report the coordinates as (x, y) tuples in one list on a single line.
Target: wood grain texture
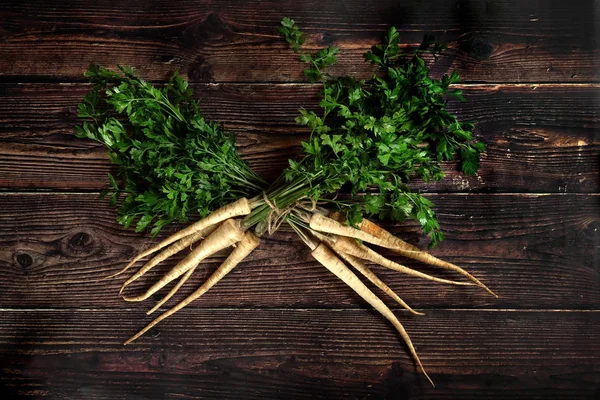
[(300, 354), (500, 41), (280, 326), (541, 138), (534, 251)]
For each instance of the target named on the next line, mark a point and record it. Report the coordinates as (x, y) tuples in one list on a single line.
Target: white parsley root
[(244, 247), (375, 133), (370, 275), (192, 233), (228, 234), (329, 260)]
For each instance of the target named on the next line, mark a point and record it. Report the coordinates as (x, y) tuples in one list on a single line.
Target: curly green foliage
[(292, 34), (375, 135), (171, 161)]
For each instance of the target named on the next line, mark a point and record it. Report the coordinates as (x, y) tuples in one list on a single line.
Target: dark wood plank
[(500, 41), (535, 251), (300, 354), (541, 138)]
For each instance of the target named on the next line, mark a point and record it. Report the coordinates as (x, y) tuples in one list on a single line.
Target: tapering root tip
[(156, 307), (134, 299), (140, 333), (487, 289), (416, 357), (428, 378), (483, 286)]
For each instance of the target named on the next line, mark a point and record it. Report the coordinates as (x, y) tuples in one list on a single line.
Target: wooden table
[(281, 327)]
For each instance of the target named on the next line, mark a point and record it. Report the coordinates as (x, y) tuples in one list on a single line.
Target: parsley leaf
[(380, 133), (171, 161)]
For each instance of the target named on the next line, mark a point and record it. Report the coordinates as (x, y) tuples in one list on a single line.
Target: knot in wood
[(24, 260), (80, 239)]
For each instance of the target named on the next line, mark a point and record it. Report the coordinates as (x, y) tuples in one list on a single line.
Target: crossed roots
[(332, 243)]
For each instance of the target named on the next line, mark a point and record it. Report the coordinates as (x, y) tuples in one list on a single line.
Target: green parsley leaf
[(380, 133)]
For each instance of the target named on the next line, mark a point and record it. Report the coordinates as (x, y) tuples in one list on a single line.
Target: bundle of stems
[(371, 138)]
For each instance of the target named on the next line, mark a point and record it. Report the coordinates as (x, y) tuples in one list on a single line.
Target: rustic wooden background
[(280, 327)]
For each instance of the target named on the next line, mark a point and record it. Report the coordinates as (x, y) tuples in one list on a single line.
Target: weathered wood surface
[(280, 326), (301, 354), (541, 138), (492, 41), (516, 243)]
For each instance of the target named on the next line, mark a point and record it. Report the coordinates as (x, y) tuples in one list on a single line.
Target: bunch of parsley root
[(370, 137)]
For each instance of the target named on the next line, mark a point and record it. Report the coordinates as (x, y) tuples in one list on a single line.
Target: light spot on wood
[(461, 183)]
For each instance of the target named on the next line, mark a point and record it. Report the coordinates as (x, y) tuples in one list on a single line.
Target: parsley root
[(235, 209), (244, 247), (168, 252), (228, 234), (352, 247), (389, 241), (377, 134), (321, 223), (401, 247), (329, 260), (174, 290), (370, 275)]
